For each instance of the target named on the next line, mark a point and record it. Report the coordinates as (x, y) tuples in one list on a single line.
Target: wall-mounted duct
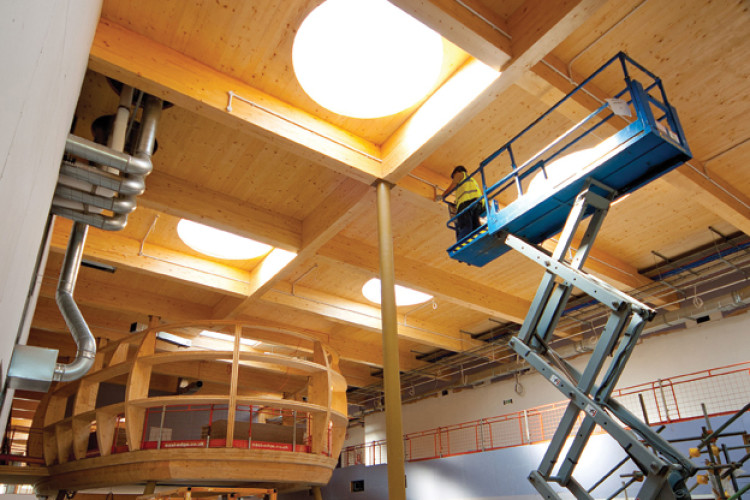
[(83, 194)]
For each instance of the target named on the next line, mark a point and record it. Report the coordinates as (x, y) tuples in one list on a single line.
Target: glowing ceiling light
[(365, 58), (404, 296), (217, 243), (229, 338)]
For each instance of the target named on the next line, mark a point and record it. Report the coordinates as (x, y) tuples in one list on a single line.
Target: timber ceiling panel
[(266, 177), (252, 42)]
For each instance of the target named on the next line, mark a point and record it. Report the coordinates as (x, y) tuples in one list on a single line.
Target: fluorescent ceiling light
[(228, 338), (404, 296), (217, 243), (365, 58)]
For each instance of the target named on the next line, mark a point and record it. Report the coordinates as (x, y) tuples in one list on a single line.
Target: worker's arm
[(457, 178)]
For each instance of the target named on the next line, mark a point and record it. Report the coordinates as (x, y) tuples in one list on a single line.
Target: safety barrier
[(205, 426), (723, 390)]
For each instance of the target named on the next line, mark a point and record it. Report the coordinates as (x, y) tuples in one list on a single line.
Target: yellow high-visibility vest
[(467, 191)]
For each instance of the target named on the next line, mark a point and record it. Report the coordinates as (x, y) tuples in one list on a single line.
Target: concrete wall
[(44, 49)]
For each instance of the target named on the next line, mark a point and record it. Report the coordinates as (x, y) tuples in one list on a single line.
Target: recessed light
[(365, 58), (404, 296), (217, 243)]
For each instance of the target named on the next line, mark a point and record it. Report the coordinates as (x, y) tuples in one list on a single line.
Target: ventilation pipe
[(138, 166), (726, 302), (70, 312), (82, 193)]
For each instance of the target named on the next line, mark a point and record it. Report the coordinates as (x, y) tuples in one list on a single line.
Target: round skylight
[(217, 243), (365, 58), (404, 296)]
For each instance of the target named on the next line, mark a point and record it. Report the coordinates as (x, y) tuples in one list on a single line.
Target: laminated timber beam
[(367, 317), (471, 26), (334, 213), (181, 198), (49, 328), (414, 274), (154, 68), (534, 29), (137, 302)]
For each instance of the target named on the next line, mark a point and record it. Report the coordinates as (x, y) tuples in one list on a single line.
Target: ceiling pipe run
[(84, 192), (139, 166), (73, 318), (136, 168), (726, 302)]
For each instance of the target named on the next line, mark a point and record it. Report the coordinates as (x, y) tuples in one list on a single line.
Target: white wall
[(44, 47), (707, 345)]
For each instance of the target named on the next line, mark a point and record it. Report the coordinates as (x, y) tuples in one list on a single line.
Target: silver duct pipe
[(117, 204), (79, 214), (125, 163), (95, 177), (70, 312), (79, 195), (724, 302), (135, 168)]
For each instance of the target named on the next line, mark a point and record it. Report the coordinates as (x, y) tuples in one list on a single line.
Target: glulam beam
[(367, 317), (441, 284), (474, 28), (535, 30), (152, 67)]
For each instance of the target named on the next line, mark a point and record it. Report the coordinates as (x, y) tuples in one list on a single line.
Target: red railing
[(205, 426), (15, 446), (723, 390)]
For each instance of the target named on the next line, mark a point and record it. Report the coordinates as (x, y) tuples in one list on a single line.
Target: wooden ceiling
[(285, 171)]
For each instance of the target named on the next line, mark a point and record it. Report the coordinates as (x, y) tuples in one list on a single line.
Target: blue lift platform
[(637, 138), (630, 140)]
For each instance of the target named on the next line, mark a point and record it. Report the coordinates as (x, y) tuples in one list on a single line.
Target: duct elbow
[(76, 369), (140, 164), (81, 334), (115, 223), (123, 205), (132, 186)]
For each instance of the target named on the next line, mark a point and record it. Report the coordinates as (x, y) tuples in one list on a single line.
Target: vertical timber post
[(392, 380)]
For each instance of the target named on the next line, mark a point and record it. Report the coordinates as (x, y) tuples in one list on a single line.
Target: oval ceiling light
[(404, 296), (217, 243), (365, 58)]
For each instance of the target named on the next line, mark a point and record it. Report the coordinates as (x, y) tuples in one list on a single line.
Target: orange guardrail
[(723, 390)]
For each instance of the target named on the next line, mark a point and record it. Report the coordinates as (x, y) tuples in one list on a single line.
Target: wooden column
[(392, 380), (232, 415)]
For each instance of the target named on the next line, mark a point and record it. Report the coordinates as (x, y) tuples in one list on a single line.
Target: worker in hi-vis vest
[(466, 193)]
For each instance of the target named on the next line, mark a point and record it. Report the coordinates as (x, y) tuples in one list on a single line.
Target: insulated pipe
[(120, 127), (84, 186), (112, 223), (93, 176), (391, 383), (147, 139), (674, 318), (118, 204), (140, 164), (70, 312)]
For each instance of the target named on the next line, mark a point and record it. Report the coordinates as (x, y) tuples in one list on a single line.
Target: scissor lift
[(638, 138)]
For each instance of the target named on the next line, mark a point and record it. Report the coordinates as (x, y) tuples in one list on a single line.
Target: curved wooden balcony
[(218, 412)]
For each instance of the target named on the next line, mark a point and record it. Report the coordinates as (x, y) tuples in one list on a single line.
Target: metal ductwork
[(84, 192), (70, 312), (100, 194), (726, 302)]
